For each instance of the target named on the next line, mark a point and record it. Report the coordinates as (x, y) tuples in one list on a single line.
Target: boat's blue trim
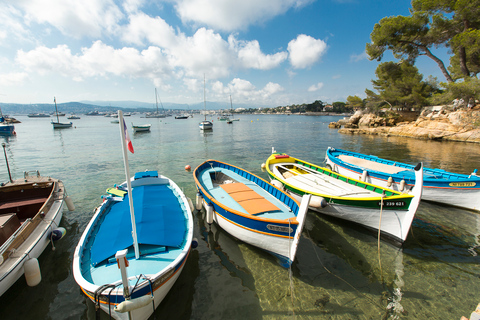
[(433, 178), (274, 227)]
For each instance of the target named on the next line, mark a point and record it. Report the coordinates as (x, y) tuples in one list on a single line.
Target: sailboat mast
[(204, 101), (156, 101), (56, 111)]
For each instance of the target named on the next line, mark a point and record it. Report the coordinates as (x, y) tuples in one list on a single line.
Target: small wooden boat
[(350, 199), (141, 127), (30, 211), (144, 227), (164, 227), (250, 209), (441, 186)]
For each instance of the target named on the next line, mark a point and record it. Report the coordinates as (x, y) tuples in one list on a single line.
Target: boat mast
[(56, 111), (204, 100), (123, 127), (156, 102)]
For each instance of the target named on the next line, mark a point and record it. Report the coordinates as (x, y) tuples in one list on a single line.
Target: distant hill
[(109, 106)]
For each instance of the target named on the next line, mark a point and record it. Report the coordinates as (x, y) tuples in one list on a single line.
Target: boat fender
[(198, 200), (277, 184), (190, 203), (194, 243), (263, 166), (1, 259), (209, 214), (401, 187), (318, 202), (69, 202), (389, 181), (57, 234), (137, 303), (32, 272), (364, 175)]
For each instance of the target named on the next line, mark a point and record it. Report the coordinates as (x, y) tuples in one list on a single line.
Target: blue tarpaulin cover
[(159, 219)]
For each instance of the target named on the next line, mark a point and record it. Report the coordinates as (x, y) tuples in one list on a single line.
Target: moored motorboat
[(336, 195), (441, 186), (136, 244), (30, 212), (250, 209)]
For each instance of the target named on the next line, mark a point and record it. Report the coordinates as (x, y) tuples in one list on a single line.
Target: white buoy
[(389, 181), (277, 184), (137, 303), (364, 175), (318, 202), (198, 201), (402, 185), (69, 202), (32, 272), (209, 215), (190, 204), (263, 166)]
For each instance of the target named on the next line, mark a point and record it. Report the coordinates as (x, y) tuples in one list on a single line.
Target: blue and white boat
[(251, 209), (441, 186), (6, 128), (135, 246)]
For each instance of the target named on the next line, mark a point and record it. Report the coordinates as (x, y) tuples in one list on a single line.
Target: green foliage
[(316, 106), (466, 90), (399, 85), (355, 102)]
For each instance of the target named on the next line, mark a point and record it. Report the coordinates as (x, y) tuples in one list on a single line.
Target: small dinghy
[(339, 196), (251, 209)]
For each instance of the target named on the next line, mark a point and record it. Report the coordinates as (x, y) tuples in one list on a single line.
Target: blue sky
[(261, 52)]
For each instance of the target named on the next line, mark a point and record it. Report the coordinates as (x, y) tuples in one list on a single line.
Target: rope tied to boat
[(96, 297), (379, 233)]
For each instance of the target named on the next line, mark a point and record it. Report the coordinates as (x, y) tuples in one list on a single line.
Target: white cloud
[(359, 57), (230, 15), (13, 79), (305, 51), (316, 87), (91, 18), (98, 60), (251, 56), (143, 28)]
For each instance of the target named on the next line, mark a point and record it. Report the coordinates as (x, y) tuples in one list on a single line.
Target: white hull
[(144, 312), (277, 245), (464, 198), (13, 268), (395, 224)]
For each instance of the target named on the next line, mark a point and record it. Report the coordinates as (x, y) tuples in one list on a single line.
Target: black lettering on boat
[(279, 228)]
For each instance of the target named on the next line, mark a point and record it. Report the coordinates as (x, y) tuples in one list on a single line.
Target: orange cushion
[(251, 201)]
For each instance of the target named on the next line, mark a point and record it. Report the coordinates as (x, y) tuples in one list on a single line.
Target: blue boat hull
[(441, 186)]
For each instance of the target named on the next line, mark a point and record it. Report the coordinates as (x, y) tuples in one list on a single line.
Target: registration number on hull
[(392, 203)]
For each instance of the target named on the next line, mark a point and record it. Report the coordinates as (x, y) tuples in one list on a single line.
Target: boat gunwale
[(175, 265), (446, 176), (290, 221), (396, 194)]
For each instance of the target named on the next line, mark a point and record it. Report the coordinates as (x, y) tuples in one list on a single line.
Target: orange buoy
[(188, 168)]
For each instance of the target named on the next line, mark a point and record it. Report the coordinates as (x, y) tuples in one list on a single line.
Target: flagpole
[(129, 184)]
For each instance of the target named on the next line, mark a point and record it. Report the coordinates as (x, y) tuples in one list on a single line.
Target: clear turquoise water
[(339, 272)]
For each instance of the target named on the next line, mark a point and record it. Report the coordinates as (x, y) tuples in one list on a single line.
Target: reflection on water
[(339, 272)]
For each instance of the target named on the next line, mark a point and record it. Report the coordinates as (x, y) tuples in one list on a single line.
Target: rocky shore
[(433, 123)]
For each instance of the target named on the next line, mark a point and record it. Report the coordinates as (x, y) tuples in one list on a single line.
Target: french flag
[(127, 138)]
